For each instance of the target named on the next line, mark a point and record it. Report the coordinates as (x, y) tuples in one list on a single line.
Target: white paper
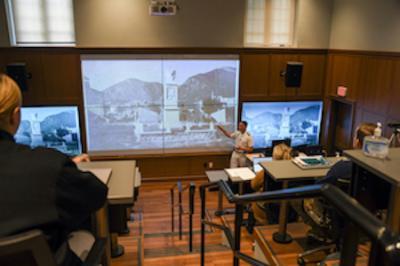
[(243, 173)]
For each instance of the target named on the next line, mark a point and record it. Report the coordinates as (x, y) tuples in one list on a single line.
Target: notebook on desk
[(240, 174), (311, 162)]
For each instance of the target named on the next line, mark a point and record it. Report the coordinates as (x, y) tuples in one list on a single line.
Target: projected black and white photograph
[(147, 104), (298, 121), (51, 127)]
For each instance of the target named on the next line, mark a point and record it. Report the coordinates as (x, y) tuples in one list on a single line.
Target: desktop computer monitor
[(268, 151), (54, 127), (276, 142)]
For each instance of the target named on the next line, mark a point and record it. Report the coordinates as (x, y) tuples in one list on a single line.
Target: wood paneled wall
[(260, 78), (56, 79), (373, 82)]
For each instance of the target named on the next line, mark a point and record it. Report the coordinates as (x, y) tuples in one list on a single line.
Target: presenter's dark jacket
[(42, 188)]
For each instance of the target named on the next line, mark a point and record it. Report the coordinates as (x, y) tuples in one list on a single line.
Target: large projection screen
[(159, 104)]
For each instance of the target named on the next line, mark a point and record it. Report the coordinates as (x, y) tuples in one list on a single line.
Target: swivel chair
[(31, 249), (327, 220)]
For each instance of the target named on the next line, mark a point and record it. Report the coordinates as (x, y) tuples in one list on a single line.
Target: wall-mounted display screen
[(156, 104), (298, 121), (52, 127)]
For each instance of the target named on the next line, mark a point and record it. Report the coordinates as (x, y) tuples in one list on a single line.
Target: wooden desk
[(241, 172), (388, 170), (285, 171), (104, 174), (121, 184), (120, 191), (215, 176)]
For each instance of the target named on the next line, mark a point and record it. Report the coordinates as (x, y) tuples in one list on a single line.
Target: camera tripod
[(394, 140)]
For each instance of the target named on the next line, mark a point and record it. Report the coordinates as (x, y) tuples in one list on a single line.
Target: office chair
[(328, 221), (31, 249)]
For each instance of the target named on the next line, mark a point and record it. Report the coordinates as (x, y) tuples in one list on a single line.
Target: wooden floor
[(158, 245), (151, 242)]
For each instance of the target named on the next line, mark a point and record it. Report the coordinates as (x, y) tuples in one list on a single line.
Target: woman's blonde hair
[(364, 130), (10, 98), (282, 152)]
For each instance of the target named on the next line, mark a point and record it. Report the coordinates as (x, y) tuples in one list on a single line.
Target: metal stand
[(237, 233), (117, 250), (282, 236), (192, 188), (220, 210), (349, 245), (394, 140)]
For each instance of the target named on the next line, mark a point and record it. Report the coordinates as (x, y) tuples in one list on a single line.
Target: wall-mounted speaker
[(294, 71), (17, 71)]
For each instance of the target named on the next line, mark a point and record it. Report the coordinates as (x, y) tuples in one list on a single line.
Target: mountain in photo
[(306, 114), (218, 82), (60, 120), (134, 92)]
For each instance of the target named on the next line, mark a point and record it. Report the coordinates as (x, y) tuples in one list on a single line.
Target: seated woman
[(42, 188), (280, 152), (313, 211)]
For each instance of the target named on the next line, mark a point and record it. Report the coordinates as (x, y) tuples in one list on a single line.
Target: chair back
[(26, 249)]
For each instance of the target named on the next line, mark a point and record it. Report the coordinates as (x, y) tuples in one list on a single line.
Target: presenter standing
[(243, 144)]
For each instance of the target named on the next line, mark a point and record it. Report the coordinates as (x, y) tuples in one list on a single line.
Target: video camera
[(394, 125)]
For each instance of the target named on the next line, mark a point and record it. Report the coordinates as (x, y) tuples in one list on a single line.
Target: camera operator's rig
[(394, 140)]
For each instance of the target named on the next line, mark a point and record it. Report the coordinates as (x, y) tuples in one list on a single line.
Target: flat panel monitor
[(54, 127), (299, 121)]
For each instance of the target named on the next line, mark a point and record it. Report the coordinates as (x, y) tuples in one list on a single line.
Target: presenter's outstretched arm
[(225, 132)]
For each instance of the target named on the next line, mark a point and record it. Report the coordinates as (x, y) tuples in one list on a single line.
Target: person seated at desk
[(310, 210), (343, 169), (243, 144), (42, 188), (280, 152)]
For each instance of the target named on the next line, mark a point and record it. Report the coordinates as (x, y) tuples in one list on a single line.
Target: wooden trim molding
[(175, 178), (164, 155), (163, 50), (200, 50), (364, 52)]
